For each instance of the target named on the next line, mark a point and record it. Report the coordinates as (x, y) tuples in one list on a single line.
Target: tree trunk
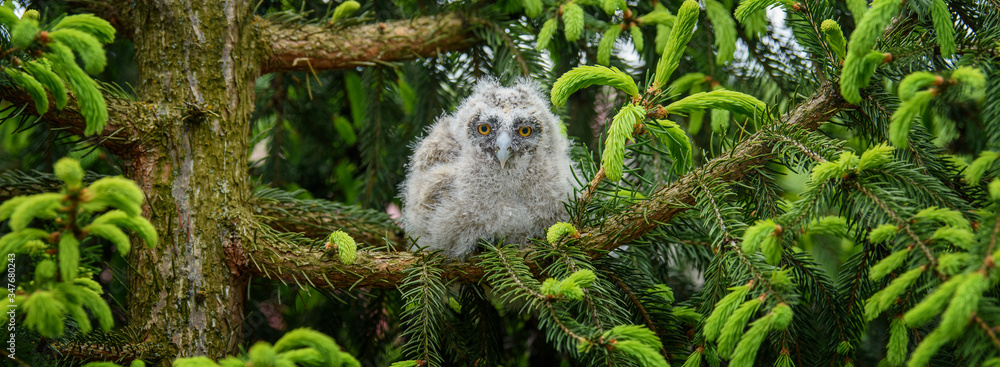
[(188, 293)]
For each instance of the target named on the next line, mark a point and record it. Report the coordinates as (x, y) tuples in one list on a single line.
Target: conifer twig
[(540, 297), (639, 307), (989, 331), (677, 197), (988, 262), (513, 275), (815, 156), (588, 193), (123, 115), (586, 292), (900, 222)]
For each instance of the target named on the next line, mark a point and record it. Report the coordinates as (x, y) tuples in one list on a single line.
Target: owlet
[(497, 167)]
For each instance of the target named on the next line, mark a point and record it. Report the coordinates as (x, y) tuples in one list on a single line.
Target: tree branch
[(310, 47), (289, 262), (318, 218), (118, 135), (672, 200), (17, 182), (106, 347)]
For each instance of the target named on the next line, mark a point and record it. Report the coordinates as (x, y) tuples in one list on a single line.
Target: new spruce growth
[(345, 246), (62, 288), (82, 34)]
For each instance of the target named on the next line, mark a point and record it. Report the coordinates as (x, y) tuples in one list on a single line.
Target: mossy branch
[(311, 47), (107, 347), (119, 134), (303, 265)]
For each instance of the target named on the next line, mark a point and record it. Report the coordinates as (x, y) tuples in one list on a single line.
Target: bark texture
[(185, 141), (199, 65), (310, 47)]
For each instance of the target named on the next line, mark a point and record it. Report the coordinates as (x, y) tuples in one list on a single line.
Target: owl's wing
[(439, 147), (429, 182)]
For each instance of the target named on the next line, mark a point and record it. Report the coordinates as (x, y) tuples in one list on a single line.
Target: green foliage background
[(870, 241)]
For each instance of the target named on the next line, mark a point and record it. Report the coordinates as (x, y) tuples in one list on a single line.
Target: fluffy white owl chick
[(497, 167)]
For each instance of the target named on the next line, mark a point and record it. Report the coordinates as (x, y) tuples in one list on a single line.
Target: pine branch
[(523, 66), (802, 148), (16, 183), (988, 262), (107, 347), (822, 288), (318, 218), (424, 294), (290, 261), (120, 135), (310, 47), (854, 287), (568, 260), (769, 69), (901, 223), (672, 200), (505, 276), (635, 302), (989, 330)]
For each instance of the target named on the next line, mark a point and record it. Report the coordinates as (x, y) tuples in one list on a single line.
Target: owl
[(498, 167)]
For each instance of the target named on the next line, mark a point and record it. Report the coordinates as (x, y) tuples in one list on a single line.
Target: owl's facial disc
[(503, 147)]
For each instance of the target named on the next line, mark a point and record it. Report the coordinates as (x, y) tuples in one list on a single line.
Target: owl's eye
[(484, 129), (524, 130)]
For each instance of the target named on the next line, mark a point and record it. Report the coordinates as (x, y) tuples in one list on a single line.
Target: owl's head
[(508, 123)]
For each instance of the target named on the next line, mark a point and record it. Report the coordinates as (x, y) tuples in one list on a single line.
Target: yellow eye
[(484, 129), (524, 130)]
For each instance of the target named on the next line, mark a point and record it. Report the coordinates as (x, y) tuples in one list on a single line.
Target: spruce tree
[(761, 182)]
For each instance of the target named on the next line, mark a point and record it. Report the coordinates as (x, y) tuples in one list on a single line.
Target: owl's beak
[(503, 145)]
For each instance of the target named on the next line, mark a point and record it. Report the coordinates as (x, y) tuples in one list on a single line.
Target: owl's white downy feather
[(497, 167)]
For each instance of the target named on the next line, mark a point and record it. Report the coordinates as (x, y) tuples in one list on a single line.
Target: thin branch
[(988, 262), (588, 300), (639, 307), (319, 218), (513, 275), (676, 198), (310, 47), (951, 205), (901, 223), (989, 331), (815, 156), (510, 44), (727, 237), (768, 69), (589, 191), (279, 260), (828, 296), (107, 349)]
